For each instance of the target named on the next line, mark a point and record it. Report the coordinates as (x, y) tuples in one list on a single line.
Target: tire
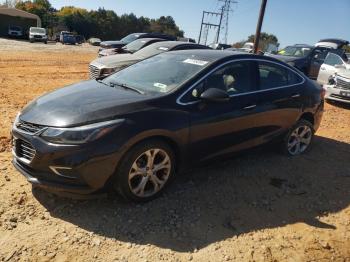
[(146, 183), (299, 138)]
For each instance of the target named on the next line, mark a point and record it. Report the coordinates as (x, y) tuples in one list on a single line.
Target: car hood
[(80, 104), (113, 61), (112, 44)]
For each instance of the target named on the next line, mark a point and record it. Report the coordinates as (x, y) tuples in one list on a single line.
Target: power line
[(206, 25), (221, 25), (226, 11)]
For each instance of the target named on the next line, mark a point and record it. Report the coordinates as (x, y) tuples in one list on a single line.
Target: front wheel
[(145, 171), (299, 138)]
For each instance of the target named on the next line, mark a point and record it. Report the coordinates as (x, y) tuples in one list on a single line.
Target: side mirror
[(215, 95)]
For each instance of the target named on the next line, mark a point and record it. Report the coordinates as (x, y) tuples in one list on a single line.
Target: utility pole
[(259, 25), (206, 25), (226, 10)]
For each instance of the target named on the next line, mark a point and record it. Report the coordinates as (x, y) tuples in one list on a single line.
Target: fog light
[(62, 171)]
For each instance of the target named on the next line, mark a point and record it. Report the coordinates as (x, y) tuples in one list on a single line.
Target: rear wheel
[(299, 138), (145, 171)]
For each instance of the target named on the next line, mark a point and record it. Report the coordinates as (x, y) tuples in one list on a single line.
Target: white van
[(37, 34)]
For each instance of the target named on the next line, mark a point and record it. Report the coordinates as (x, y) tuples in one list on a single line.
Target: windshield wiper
[(125, 86)]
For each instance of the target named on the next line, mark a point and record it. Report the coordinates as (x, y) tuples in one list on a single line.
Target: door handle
[(295, 95), (323, 68), (249, 107)]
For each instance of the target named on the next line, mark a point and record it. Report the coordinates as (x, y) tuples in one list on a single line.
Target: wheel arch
[(308, 116)]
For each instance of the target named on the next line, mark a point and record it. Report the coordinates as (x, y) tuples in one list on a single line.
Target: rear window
[(273, 75)]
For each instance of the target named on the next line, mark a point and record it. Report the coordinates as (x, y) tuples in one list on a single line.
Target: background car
[(136, 129), (218, 46), (105, 66), (132, 37), (68, 39), (79, 39), (338, 87), (15, 31), (131, 47), (94, 41), (309, 59), (63, 33), (37, 34), (334, 62)]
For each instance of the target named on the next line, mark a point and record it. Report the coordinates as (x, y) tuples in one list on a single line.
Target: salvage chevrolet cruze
[(134, 130)]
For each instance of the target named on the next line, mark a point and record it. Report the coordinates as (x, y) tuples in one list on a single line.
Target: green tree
[(265, 40)]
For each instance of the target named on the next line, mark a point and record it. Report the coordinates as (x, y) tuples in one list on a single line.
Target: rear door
[(318, 56), (280, 99)]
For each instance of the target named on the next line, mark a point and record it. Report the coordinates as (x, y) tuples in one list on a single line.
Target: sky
[(292, 21)]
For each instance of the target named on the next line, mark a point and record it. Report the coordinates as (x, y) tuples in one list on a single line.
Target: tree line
[(101, 23)]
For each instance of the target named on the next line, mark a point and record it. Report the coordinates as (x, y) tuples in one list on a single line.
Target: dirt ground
[(259, 206)]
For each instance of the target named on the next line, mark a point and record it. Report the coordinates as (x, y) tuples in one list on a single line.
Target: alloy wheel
[(299, 140), (149, 173)]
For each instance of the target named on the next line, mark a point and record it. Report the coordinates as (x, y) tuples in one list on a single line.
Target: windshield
[(298, 51), (135, 45), (152, 50), (38, 30), (176, 69), (15, 28), (130, 38)]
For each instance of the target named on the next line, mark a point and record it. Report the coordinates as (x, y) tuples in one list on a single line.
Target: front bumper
[(337, 94), (80, 169), (36, 39)]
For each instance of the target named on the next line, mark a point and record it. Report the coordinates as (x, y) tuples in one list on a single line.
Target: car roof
[(213, 56), (302, 45), (172, 44), (148, 39)]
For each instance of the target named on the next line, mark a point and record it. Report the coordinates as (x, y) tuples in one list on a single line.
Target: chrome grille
[(23, 150), (342, 83), (28, 127), (94, 72)]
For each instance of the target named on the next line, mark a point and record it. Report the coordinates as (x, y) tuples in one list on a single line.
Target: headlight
[(107, 71), (332, 80), (80, 135)]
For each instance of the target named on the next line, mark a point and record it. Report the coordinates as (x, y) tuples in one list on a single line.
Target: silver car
[(105, 66), (338, 88)]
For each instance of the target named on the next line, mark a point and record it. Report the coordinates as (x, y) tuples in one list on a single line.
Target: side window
[(235, 78), (333, 59), (273, 75)]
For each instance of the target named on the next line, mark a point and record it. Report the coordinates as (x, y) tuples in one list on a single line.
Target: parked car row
[(105, 66)]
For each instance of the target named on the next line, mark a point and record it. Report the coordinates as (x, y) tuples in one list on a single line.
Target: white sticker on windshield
[(196, 62), (162, 87)]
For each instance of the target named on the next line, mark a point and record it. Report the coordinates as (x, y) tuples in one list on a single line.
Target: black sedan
[(130, 48), (136, 129)]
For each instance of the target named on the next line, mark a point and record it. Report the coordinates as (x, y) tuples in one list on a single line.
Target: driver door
[(222, 127), (328, 68), (317, 58)]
